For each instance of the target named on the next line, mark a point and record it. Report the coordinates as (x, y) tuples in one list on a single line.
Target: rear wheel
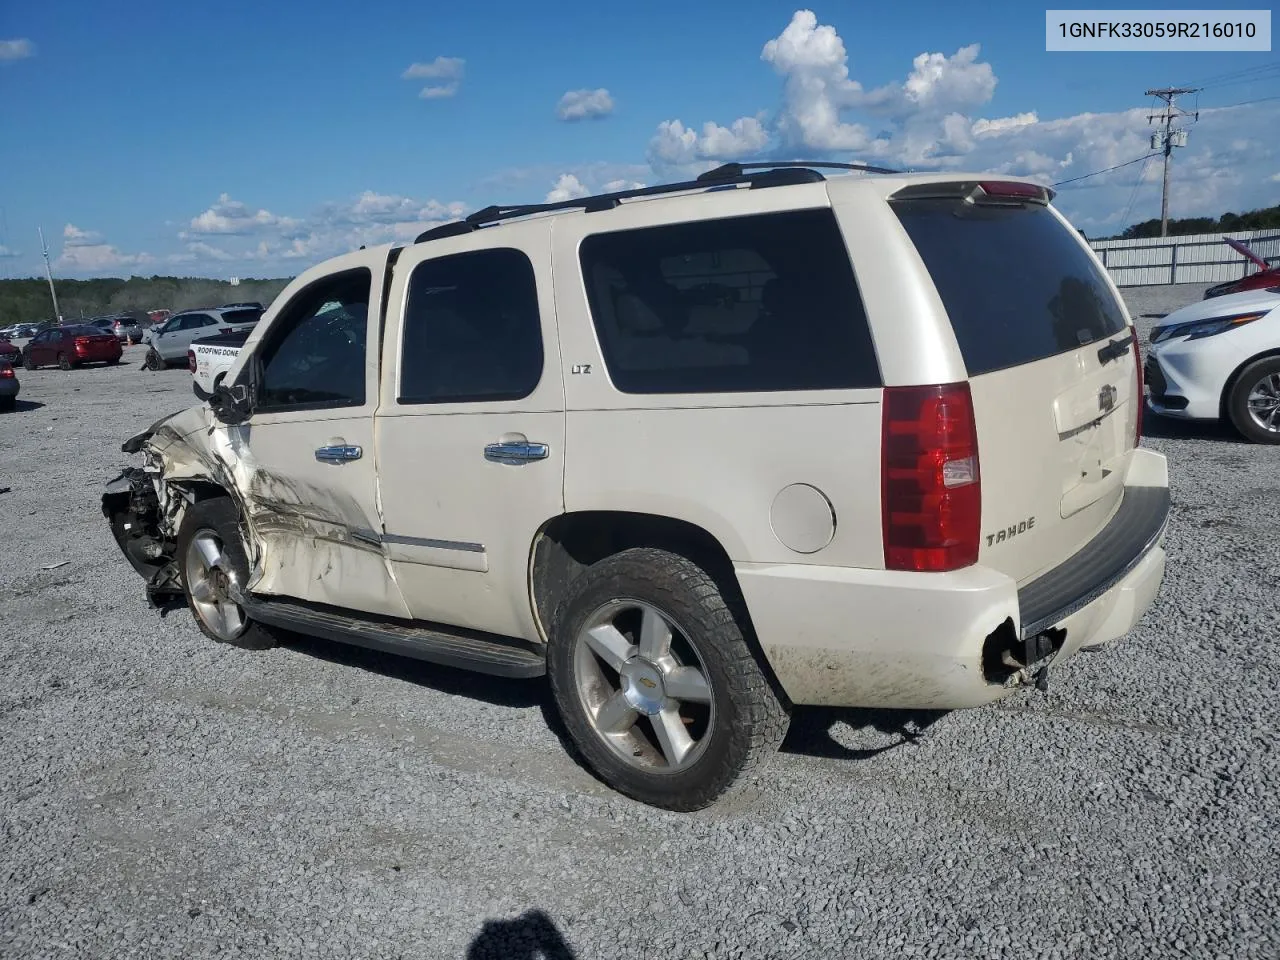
[(211, 560), (27, 362), (64, 362), (1254, 403), (656, 684)]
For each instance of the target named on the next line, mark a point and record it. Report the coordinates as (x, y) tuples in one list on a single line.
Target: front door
[(304, 462), (175, 341), (470, 432)]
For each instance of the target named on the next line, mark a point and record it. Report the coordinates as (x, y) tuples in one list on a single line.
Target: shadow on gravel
[(811, 730), (1166, 428), (530, 936), (26, 406), (499, 691)]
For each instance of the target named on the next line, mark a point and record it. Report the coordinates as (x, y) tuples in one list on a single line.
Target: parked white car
[(1220, 359), (697, 452), (169, 343), (211, 358)]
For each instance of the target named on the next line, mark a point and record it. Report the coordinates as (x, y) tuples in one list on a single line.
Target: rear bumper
[(881, 638), (9, 387)]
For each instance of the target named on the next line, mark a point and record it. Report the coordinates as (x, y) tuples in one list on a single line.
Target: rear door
[(1047, 345), (471, 429)]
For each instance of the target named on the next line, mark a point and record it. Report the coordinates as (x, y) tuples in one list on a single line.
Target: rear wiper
[(1115, 349)]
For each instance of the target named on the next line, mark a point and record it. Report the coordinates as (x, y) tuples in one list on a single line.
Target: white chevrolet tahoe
[(697, 452)]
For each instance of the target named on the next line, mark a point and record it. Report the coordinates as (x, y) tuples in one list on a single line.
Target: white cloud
[(21, 49), (450, 69), (585, 104), (441, 68), (1003, 124), (84, 252), (931, 120), (234, 218), (438, 93), (615, 186), (567, 187), (208, 251), (7, 252), (73, 236), (675, 145)]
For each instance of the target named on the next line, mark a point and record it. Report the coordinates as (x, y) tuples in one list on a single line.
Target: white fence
[(1199, 258)]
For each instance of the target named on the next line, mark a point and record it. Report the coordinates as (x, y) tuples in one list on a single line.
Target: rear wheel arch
[(568, 544)]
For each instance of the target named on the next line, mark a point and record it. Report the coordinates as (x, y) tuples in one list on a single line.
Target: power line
[(1133, 194), (1217, 79), (1098, 173), (1244, 103)]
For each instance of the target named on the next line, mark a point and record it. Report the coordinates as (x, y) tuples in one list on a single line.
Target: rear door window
[(744, 304), (1015, 282)]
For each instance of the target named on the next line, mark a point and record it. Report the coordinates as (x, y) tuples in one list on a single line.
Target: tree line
[(1267, 218), (27, 301)]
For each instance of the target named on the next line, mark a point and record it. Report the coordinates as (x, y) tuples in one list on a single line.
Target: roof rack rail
[(736, 169), (730, 174)]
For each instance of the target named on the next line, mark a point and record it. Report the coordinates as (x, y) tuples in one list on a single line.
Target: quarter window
[(472, 331), (745, 304)]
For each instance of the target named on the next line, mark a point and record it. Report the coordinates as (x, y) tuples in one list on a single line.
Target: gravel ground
[(164, 796)]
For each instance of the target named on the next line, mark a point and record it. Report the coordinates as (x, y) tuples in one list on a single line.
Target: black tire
[(64, 362), (220, 516), (1256, 373), (27, 362), (749, 719), (153, 361)]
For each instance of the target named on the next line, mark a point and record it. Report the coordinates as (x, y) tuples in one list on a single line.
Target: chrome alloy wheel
[(643, 686), (1264, 403), (209, 578)]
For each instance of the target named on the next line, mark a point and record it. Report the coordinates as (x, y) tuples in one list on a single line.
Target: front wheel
[(1254, 403), (656, 684), (153, 361), (211, 560)]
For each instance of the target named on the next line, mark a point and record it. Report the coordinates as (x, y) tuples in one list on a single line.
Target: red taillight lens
[(930, 485), (81, 342), (1142, 398), (191, 360), (6, 372)]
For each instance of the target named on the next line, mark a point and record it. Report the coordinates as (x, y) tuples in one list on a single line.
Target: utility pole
[(1168, 139), (48, 272)]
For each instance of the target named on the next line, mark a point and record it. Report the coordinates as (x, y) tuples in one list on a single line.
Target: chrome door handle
[(516, 453), (339, 453)]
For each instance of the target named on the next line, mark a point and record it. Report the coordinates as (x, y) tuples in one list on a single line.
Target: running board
[(448, 646)]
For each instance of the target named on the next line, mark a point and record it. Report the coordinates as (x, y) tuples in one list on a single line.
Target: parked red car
[(1266, 277), (71, 346), (9, 352)]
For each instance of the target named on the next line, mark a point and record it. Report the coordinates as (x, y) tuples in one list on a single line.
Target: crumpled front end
[(145, 505)]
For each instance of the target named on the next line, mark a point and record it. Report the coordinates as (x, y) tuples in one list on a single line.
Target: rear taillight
[(6, 373), (1142, 399), (930, 485), (82, 342), (191, 360)]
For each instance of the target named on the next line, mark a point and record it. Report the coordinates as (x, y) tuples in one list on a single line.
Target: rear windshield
[(748, 304), (241, 316), (1016, 283)]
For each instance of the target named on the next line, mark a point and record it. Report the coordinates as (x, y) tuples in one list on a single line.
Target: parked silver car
[(170, 342)]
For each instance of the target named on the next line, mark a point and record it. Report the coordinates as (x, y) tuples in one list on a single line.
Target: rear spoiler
[(986, 192)]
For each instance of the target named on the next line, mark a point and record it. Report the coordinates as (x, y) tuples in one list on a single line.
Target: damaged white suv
[(697, 452)]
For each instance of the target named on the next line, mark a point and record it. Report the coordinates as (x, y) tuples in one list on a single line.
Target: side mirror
[(231, 404)]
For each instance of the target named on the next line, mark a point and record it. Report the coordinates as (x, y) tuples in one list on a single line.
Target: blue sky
[(254, 139)]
